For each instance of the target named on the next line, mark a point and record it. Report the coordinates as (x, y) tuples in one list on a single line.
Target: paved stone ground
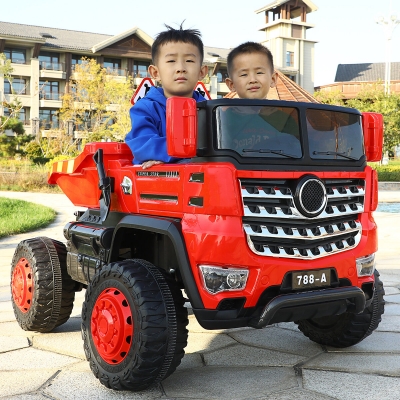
[(275, 363)]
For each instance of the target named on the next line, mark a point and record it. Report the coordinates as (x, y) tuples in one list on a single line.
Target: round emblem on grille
[(310, 196)]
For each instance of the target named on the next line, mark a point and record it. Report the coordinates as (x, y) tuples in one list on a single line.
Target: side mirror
[(373, 135), (181, 127)]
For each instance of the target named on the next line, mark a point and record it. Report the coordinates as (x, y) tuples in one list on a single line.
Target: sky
[(346, 31)]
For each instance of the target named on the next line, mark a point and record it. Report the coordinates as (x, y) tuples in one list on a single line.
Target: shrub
[(387, 173)]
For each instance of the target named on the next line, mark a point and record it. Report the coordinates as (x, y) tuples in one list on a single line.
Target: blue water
[(389, 207)]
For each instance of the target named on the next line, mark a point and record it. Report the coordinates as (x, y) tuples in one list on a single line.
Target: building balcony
[(25, 99), (50, 99), (21, 69), (52, 70)]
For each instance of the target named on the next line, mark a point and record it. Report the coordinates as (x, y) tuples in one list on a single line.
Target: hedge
[(387, 173)]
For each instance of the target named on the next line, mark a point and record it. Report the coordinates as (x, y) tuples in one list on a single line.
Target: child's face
[(251, 76), (178, 68)]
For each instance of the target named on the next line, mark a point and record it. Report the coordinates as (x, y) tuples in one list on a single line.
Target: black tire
[(347, 329), (133, 325), (42, 292)]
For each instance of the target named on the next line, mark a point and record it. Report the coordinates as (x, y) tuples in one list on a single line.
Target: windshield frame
[(207, 146)]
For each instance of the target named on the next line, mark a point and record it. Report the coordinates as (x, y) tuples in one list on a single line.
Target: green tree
[(98, 102), (12, 103), (372, 98)]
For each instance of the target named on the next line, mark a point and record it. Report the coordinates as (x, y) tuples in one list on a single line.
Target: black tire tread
[(350, 328), (162, 318), (48, 309)]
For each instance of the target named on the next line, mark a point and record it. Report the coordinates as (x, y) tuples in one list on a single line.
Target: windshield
[(259, 131), (334, 135)]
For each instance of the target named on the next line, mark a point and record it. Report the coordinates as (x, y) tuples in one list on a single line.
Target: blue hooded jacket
[(147, 138)]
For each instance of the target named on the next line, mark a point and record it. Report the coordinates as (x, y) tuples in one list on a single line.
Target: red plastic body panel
[(181, 121), (373, 135), (213, 232)]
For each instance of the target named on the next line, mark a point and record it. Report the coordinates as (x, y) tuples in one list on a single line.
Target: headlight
[(365, 265), (218, 279)]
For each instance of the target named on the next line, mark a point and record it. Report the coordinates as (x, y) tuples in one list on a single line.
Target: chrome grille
[(275, 227)]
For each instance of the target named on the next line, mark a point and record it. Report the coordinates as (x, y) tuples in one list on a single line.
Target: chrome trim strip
[(262, 195), (296, 234), (296, 214), (310, 255)]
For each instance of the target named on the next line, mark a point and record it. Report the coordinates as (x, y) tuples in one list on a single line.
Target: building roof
[(65, 39), (309, 4), (367, 72), (285, 89), (52, 37)]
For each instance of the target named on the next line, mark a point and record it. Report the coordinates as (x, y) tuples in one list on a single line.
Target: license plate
[(311, 279)]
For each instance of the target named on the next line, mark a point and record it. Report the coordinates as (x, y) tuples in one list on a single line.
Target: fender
[(170, 227)]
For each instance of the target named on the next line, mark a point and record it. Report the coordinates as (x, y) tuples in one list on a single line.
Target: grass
[(19, 216)]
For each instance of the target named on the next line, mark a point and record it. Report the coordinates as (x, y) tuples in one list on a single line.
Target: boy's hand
[(150, 163)]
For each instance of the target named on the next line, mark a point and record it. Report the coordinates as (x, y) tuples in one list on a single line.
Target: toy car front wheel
[(347, 329), (42, 291), (133, 325)]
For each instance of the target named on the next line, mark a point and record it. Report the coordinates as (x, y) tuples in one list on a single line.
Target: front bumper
[(287, 308)]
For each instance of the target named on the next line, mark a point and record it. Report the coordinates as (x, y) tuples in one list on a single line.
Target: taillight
[(374, 190)]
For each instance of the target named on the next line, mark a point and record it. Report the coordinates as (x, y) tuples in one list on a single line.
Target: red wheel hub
[(112, 326), (22, 285)]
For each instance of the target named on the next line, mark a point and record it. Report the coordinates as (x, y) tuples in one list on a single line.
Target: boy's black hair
[(247, 48), (192, 36)]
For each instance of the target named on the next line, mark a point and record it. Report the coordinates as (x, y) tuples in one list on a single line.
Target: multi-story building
[(43, 60), (286, 36)]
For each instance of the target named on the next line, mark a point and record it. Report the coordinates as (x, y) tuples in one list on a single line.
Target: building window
[(49, 60), (48, 119), (18, 86), (290, 59), (113, 63), (140, 69), (21, 115), (49, 90), (292, 77), (77, 59), (113, 66), (222, 74), (17, 56)]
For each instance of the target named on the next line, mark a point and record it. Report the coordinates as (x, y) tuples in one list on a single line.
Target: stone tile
[(209, 341), (388, 365), (68, 343), (378, 342), (33, 359), (80, 379), (344, 386), (194, 326), (288, 325), (228, 383), (7, 316), (296, 394), (395, 298), (392, 309), (389, 323), (191, 360), (241, 356), (276, 338), (390, 290), (12, 328), (33, 396), (5, 306), (8, 343), (11, 383)]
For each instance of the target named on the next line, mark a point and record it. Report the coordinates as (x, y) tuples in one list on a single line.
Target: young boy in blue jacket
[(177, 63)]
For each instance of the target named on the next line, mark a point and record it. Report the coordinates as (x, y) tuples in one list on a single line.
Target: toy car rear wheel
[(42, 293), (347, 329), (133, 325)]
